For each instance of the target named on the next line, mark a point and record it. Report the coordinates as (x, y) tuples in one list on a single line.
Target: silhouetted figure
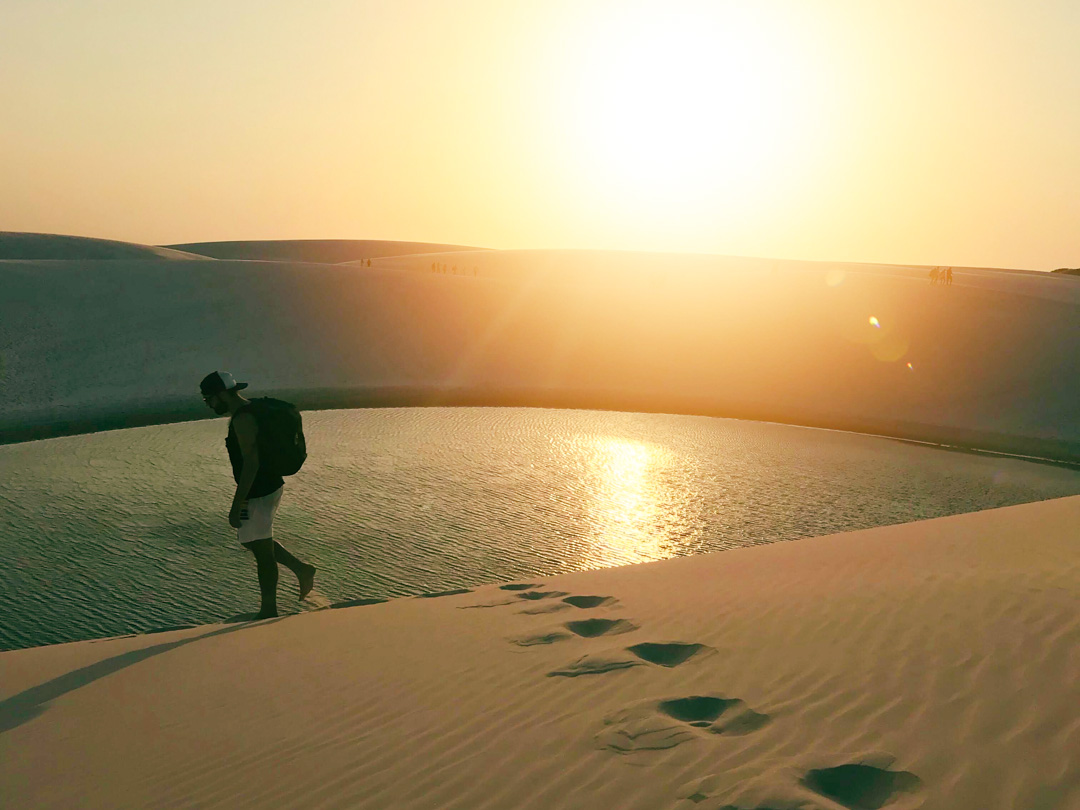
[(369, 262), (258, 490), (934, 276), (948, 275), (455, 269)]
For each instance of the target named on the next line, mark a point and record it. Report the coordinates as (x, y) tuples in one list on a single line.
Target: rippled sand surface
[(126, 531)]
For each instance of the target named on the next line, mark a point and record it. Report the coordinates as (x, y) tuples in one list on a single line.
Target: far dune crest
[(15, 246), (318, 251)]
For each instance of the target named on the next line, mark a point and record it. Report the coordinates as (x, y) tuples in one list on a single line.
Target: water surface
[(126, 531)]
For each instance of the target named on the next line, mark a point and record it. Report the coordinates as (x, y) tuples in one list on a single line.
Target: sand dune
[(930, 665), (994, 359), (691, 269), (321, 251), (36, 246)]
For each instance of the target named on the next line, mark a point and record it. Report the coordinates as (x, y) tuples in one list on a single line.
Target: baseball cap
[(217, 381)]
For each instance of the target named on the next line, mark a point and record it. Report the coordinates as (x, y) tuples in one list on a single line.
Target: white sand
[(995, 358), (936, 664)]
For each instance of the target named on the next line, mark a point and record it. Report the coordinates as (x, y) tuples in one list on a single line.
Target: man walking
[(258, 490)]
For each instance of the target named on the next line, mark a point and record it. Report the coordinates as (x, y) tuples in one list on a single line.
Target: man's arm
[(247, 431)]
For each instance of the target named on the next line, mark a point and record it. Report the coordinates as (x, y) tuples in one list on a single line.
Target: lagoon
[(125, 531)]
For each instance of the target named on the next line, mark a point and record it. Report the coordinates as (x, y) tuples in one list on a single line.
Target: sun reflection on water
[(636, 510)]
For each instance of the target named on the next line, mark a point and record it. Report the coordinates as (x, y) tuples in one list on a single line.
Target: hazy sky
[(915, 131)]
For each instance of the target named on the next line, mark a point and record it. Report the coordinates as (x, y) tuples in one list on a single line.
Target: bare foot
[(307, 580)]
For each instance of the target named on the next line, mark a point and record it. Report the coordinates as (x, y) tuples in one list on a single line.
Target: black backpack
[(281, 435)]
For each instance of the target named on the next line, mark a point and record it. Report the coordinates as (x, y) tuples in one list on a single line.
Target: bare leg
[(305, 574), (268, 575)]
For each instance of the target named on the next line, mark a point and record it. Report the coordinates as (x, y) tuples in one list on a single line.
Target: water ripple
[(125, 531)]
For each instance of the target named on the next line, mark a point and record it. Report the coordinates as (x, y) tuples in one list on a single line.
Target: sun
[(686, 101)]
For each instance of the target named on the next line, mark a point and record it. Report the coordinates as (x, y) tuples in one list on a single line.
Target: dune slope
[(993, 361), (35, 246)]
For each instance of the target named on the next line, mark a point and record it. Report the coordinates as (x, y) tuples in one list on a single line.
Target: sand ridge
[(16, 245), (929, 665), (320, 251)]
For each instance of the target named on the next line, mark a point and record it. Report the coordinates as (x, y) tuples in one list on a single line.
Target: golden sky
[(914, 131)]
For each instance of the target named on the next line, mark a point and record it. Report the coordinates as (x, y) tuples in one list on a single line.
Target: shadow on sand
[(27, 705)]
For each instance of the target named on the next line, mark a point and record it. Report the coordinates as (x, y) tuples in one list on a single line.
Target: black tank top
[(266, 481)]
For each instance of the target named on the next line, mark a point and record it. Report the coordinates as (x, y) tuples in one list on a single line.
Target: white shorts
[(257, 517)]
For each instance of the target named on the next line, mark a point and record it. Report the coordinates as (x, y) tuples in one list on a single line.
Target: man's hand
[(235, 513)]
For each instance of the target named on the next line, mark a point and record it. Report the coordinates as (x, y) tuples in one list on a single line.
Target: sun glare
[(637, 515), (691, 101)]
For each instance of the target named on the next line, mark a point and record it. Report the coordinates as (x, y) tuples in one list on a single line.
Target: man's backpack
[(282, 447)]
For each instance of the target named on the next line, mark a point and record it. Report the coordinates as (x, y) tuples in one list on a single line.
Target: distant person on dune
[(934, 276), (258, 485), (948, 275)]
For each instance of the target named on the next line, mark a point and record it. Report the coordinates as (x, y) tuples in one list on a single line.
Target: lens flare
[(910, 367), (874, 322)]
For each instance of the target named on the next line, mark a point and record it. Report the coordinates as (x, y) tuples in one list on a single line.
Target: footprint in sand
[(593, 628), (524, 595), (861, 786), (658, 724), (357, 603), (587, 628), (671, 654), (581, 602), (314, 601), (540, 639), (437, 594), (586, 602), (547, 607), (868, 783), (714, 714), (535, 596)]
